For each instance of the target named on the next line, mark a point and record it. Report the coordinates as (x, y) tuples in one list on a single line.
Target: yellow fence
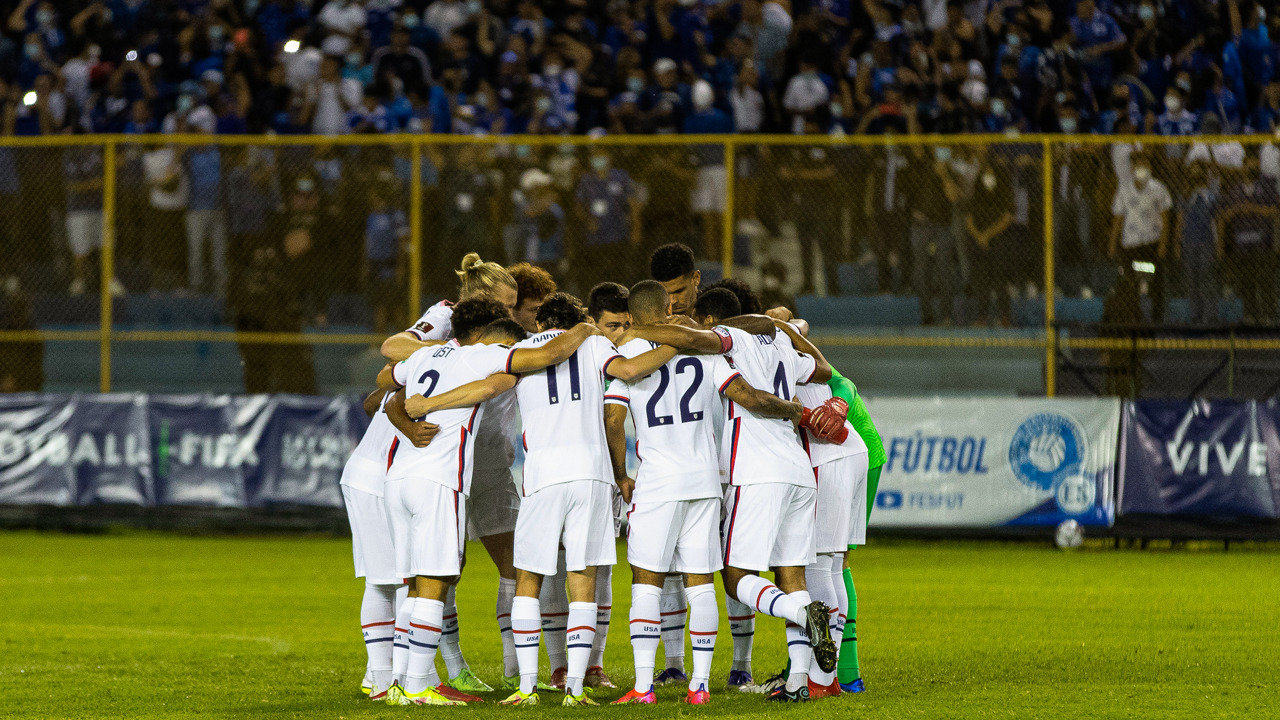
[(965, 242)]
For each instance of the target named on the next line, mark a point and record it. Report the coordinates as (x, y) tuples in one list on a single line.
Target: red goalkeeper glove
[(826, 421)]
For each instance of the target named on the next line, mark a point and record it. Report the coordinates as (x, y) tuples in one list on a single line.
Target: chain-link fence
[(278, 264)]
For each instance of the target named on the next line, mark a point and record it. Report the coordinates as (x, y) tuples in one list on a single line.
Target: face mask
[(250, 7), (837, 110), (474, 7), (31, 50), (552, 70), (942, 154), (1172, 104), (543, 104), (522, 151), (1262, 14), (184, 103), (1068, 125), (482, 99), (410, 21), (866, 60), (599, 162), (1184, 85), (989, 181), (215, 34), (635, 84), (997, 107), (1141, 174), (45, 17), (306, 185), (354, 59), (1146, 12), (1013, 40), (1060, 98)]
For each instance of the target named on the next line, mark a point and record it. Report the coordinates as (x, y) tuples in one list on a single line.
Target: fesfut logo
[(1045, 449)]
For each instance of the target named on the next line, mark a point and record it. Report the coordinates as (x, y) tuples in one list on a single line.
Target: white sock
[(817, 577), (674, 611), (400, 643), (526, 629), (579, 636), (424, 640), (842, 597), (766, 598), (799, 651), (704, 623), (450, 645), (604, 613), (506, 592), (555, 613), (645, 628), (742, 625), (378, 624)]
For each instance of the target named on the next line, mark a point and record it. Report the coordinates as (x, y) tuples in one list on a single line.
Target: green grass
[(151, 625)]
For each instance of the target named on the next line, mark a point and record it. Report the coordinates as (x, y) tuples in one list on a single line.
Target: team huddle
[(755, 455)]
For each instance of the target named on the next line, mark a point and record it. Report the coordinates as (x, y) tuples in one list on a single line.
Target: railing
[(884, 261)]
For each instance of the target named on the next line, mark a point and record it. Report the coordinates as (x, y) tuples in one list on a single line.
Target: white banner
[(987, 462)]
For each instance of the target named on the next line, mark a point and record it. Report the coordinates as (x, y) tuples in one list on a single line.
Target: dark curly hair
[(670, 262), (561, 312), (720, 303), (470, 316), (747, 297), (606, 297)]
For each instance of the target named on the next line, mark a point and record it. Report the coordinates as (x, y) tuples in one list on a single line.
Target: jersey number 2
[(664, 380)]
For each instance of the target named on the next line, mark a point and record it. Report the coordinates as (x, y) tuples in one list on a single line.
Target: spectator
[(1176, 120), (608, 207), (541, 221), (664, 102), (1247, 242), (82, 168), (988, 218), (806, 92), (444, 16), (748, 103), (1139, 228), (808, 173), (206, 223), (169, 189), (402, 60), (1098, 36), (386, 233), (1196, 244), (710, 187), (935, 264), (329, 98), (250, 197), (267, 301)]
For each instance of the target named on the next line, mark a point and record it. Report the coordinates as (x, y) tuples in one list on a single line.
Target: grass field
[(148, 625)]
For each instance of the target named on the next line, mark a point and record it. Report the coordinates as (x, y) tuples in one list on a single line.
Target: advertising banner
[(990, 462), (302, 447), (1205, 458)]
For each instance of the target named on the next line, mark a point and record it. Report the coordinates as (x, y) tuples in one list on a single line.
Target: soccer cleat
[(596, 677), (782, 694), (377, 696), (817, 691), (637, 698), (395, 695), (698, 697), (578, 701), (430, 696), (455, 694), (467, 682), (767, 686), (740, 679), (510, 683), (671, 676), (366, 685), (817, 617), (557, 679), (519, 698), (854, 687)]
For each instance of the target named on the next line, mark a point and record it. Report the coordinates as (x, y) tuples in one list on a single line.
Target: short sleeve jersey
[(435, 324), (431, 371), (366, 469), (674, 411), (756, 450), (562, 410)]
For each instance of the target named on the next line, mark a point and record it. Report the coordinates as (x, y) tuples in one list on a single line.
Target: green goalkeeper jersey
[(844, 388)]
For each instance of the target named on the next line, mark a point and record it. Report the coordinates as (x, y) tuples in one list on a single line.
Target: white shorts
[(842, 504), (84, 231), (428, 522), (768, 525), (676, 536), (576, 514), (709, 190), (493, 505), (375, 555)]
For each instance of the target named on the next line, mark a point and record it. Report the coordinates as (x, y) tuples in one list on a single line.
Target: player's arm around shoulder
[(400, 346), (628, 369), (752, 324), (472, 393), (761, 403), (679, 337), (556, 351), (822, 369)]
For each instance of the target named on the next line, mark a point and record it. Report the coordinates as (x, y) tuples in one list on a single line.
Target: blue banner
[(1202, 458)]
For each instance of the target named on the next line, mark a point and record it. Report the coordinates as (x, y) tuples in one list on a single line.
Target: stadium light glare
[(29, 99), (292, 46)]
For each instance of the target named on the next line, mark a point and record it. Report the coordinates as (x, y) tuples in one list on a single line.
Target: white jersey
[(562, 409), (431, 371), (674, 412), (435, 324), (758, 450), (493, 440), (821, 451)]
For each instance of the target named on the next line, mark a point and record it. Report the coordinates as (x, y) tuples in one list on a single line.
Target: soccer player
[(675, 499), (673, 266), (419, 541), (771, 501), (494, 489), (607, 306), (566, 490), (533, 285)]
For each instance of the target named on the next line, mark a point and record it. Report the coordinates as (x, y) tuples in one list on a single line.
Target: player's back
[(674, 411), (432, 371), (562, 413), (755, 449), (435, 324)]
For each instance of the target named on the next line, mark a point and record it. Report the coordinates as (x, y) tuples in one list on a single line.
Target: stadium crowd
[(1172, 67)]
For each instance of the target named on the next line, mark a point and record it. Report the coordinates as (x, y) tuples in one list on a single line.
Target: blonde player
[(675, 499), (770, 502)]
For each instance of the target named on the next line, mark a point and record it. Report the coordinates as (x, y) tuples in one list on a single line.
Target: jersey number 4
[(664, 381)]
